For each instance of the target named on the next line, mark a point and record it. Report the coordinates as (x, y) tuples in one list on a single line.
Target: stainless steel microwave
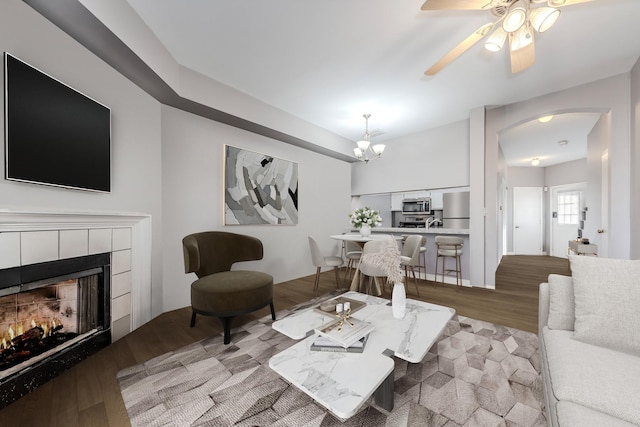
[(416, 206)]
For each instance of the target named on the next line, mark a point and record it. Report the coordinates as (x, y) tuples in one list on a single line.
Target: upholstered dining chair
[(410, 258), (352, 253), (220, 291), (373, 272), (320, 261)]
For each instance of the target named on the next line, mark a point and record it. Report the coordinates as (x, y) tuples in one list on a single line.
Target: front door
[(527, 220), (566, 206)]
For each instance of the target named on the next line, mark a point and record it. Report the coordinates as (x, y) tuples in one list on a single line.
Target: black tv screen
[(54, 134)]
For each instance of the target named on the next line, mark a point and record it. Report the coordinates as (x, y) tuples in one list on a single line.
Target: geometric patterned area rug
[(477, 374)]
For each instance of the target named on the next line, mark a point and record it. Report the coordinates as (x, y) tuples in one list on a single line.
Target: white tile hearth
[(30, 237)]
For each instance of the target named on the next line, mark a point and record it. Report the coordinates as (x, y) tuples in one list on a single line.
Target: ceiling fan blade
[(460, 49), (456, 5), (522, 58), (562, 3)]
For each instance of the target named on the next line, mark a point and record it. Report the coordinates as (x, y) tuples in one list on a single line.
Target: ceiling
[(330, 62)]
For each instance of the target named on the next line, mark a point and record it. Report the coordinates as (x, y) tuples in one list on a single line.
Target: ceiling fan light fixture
[(357, 152), (496, 41), (535, 161), (556, 3), (543, 18), (515, 18)]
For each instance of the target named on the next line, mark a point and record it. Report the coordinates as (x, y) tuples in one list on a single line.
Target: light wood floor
[(88, 394)]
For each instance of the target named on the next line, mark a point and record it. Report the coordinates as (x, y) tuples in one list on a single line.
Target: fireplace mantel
[(26, 220)]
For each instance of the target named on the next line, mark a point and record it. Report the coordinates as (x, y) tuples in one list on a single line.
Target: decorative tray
[(331, 309)]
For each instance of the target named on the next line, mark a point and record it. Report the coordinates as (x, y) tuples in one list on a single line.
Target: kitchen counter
[(429, 234), (436, 230)]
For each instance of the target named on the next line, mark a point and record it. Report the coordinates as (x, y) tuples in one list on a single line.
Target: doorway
[(567, 203), (527, 221)]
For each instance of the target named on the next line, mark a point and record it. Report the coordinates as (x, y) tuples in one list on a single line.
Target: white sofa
[(589, 330)]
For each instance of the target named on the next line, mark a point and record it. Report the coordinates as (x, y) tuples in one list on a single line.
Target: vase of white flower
[(364, 219)]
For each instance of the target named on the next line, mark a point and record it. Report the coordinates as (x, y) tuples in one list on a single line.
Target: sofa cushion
[(571, 414), (607, 292), (561, 303), (596, 377)]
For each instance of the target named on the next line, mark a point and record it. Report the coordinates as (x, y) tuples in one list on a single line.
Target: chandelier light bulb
[(535, 161), (357, 152), (363, 145), (378, 149), (545, 119)]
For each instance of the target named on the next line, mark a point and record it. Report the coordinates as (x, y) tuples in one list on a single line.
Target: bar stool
[(449, 247)]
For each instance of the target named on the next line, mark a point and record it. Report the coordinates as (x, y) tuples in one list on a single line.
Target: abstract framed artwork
[(259, 189)]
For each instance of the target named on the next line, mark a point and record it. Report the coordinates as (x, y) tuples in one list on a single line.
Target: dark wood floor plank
[(88, 394)]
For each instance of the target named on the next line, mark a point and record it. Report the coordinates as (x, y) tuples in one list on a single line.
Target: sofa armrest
[(543, 306)]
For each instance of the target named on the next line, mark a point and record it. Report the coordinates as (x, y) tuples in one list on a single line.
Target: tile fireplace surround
[(29, 237)]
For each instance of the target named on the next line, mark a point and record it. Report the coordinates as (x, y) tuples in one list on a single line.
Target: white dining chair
[(352, 253), (372, 272), (410, 258), (320, 261)]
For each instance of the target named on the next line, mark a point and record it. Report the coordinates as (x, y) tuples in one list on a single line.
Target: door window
[(569, 207)]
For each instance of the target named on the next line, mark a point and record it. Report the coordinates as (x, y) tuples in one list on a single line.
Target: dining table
[(361, 240)]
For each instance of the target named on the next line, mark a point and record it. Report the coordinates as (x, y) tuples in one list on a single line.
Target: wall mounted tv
[(54, 134)]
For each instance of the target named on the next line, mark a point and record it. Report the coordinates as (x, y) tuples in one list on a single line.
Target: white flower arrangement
[(365, 215)]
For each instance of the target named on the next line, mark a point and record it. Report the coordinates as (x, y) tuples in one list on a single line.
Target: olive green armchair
[(220, 291)]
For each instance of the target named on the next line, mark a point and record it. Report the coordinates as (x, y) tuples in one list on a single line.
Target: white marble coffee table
[(343, 382)]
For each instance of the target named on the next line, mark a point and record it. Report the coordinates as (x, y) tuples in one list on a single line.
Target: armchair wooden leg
[(273, 311), (335, 269), (193, 318)]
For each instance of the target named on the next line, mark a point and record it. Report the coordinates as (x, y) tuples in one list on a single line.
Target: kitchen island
[(430, 234)]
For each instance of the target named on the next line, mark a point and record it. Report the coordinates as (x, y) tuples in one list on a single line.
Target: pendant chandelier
[(364, 147)]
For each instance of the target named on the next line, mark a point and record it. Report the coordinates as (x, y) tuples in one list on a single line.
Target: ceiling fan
[(516, 20)]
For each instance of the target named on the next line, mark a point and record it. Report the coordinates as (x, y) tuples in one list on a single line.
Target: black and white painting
[(259, 189)]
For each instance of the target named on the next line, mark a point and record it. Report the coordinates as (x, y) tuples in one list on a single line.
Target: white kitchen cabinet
[(396, 201), (436, 200)]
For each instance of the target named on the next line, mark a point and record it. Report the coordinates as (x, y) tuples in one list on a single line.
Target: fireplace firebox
[(52, 316)]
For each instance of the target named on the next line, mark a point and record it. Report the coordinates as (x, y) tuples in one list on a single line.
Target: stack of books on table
[(348, 335)]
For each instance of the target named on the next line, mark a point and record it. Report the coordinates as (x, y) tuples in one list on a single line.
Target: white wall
[(635, 160), (566, 173), (192, 153), (136, 176), (436, 158)]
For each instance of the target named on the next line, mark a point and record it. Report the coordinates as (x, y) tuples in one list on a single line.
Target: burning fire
[(43, 328)]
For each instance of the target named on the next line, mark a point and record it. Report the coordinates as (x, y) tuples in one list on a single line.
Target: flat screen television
[(54, 134)]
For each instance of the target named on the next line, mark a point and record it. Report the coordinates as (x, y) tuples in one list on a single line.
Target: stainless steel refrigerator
[(455, 210)]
